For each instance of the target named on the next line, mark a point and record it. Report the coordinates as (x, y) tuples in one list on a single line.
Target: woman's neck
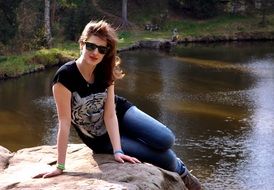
[(86, 70)]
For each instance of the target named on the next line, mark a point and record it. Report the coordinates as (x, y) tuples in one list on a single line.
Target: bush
[(196, 8)]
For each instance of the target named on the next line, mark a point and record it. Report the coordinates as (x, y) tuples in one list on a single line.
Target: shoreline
[(238, 37), (164, 44)]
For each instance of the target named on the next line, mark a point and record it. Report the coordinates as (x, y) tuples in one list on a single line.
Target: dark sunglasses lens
[(90, 46), (103, 50)]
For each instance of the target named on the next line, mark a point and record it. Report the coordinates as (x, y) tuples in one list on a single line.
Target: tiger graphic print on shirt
[(87, 113)]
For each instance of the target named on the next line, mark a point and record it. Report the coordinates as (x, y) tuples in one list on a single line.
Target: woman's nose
[(95, 51)]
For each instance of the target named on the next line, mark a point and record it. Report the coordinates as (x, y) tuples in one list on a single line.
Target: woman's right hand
[(54, 172)]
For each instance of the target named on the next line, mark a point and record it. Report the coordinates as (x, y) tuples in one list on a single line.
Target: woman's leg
[(149, 140), (138, 124), (165, 159)]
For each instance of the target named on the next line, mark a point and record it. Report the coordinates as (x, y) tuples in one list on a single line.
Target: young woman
[(84, 95)]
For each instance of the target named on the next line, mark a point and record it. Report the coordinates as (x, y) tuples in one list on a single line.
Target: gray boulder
[(84, 170)]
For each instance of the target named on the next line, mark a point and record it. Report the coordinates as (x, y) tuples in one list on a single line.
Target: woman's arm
[(111, 123), (62, 97)]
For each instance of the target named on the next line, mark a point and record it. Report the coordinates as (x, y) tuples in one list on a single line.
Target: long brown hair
[(108, 70)]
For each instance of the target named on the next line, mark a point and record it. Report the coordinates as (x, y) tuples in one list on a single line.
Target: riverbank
[(16, 66)]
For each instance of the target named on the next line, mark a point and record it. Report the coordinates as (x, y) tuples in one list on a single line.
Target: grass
[(17, 65), (222, 26), (14, 66)]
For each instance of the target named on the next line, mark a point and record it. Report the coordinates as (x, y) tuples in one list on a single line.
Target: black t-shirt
[(87, 102)]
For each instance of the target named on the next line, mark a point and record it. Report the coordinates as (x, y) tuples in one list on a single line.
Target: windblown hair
[(108, 70)]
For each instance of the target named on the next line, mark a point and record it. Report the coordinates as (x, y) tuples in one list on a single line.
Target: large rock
[(84, 170)]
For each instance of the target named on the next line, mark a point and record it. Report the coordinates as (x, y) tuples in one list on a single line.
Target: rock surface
[(84, 170)]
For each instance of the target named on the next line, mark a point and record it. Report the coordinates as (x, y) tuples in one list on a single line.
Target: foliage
[(265, 7), (8, 27), (76, 16), (196, 8), (22, 21), (69, 3), (30, 34)]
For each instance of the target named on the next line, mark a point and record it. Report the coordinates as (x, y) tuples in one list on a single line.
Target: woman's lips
[(93, 58)]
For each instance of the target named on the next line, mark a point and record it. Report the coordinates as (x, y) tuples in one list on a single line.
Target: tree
[(48, 37), (8, 26), (265, 7), (196, 8), (52, 11), (124, 13), (235, 6)]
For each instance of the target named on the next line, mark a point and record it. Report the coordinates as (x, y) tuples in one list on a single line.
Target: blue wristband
[(118, 152)]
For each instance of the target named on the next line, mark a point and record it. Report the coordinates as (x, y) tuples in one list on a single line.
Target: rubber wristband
[(118, 152), (60, 166)]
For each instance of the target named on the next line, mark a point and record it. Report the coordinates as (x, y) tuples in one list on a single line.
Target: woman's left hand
[(119, 157)]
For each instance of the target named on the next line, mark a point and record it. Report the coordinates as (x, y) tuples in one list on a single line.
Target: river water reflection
[(217, 98)]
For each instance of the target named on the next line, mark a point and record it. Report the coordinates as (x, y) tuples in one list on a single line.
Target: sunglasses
[(101, 49)]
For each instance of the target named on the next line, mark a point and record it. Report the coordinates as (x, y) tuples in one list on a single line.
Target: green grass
[(219, 26), (16, 65), (13, 66), (222, 25)]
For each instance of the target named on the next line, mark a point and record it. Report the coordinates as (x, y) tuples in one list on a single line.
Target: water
[(217, 98)]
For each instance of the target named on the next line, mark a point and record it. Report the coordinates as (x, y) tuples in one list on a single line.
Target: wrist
[(118, 152), (60, 166)]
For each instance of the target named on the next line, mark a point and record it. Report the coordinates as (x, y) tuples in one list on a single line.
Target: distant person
[(84, 95), (175, 35)]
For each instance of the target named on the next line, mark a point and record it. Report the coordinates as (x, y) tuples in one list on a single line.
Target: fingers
[(119, 159), (127, 158), (132, 160), (48, 174), (136, 160), (39, 175)]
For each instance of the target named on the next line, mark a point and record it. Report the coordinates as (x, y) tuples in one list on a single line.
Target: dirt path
[(116, 19)]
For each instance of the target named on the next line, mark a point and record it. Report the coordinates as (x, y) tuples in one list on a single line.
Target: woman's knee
[(144, 127), (166, 140)]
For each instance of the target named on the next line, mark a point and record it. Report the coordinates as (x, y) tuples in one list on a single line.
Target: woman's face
[(94, 50)]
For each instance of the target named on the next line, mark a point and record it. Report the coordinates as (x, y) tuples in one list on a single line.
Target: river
[(217, 98)]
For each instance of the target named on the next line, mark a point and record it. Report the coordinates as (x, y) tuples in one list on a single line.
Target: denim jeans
[(142, 137), (149, 140)]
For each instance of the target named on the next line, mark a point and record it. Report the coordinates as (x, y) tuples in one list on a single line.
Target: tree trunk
[(48, 36), (263, 11), (52, 11), (124, 13), (235, 7)]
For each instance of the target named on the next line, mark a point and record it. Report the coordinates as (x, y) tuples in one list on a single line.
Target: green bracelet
[(60, 166)]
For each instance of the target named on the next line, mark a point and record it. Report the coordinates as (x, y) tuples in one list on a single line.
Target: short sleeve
[(62, 76)]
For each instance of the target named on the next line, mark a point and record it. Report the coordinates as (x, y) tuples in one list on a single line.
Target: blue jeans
[(142, 137), (149, 140)]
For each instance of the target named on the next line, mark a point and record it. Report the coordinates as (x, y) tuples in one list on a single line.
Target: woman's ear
[(81, 47)]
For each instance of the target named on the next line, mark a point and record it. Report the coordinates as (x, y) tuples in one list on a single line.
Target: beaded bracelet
[(60, 166), (118, 152)]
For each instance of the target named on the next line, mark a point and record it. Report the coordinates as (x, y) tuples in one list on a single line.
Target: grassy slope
[(150, 11), (140, 14)]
